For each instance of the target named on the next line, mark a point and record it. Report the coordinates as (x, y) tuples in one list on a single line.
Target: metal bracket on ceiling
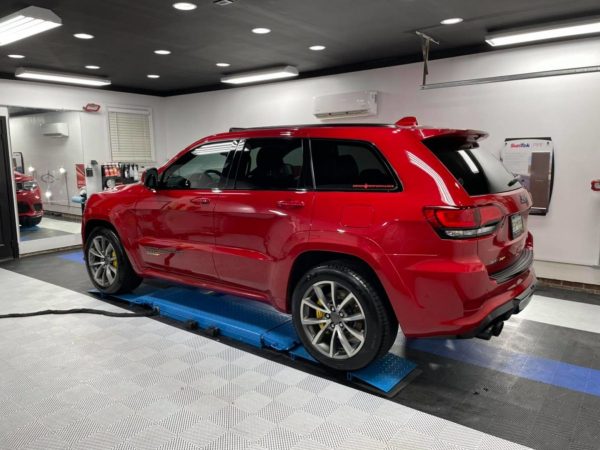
[(426, 41)]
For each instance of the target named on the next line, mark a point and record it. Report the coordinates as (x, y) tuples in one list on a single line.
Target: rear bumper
[(453, 297), (504, 312)]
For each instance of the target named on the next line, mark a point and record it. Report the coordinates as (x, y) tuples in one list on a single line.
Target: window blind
[(130, 136)]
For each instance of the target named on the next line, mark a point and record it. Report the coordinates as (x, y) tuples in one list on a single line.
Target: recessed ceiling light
[(261, 30), (223, 64), (59, 77), (16, 56), (83, 36), (153, 76), (452, 21), (541, 33), (162, 52), (184, 6), (317, 48), (261, 75), (27, 22), (92, 67)]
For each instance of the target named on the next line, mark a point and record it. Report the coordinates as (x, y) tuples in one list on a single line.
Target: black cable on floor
[(101, 312)]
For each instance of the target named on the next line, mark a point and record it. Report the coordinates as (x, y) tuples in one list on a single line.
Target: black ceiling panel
[(358, 34)]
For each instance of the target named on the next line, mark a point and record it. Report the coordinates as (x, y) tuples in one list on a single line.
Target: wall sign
[(531, 160)]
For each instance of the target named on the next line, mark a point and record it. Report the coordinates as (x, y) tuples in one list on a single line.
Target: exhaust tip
[(492, 330)]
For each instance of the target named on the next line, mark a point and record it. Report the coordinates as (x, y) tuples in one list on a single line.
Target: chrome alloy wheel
[(102, 260), (333, 320)]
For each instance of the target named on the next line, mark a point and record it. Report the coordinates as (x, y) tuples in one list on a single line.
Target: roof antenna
[(425, 45)]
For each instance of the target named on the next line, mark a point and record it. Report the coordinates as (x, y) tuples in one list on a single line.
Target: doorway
[(8, 226), (48, 172)]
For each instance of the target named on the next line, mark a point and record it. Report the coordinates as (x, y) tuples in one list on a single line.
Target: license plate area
[(516, 225)]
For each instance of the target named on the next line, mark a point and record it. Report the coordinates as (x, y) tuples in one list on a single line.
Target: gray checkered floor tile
[(94, 382)]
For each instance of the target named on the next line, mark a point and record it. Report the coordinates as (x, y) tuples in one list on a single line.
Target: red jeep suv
[(353, 229), (29, 200)]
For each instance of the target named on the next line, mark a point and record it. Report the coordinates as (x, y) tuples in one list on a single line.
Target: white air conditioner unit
[(55, 129), (350, 104)]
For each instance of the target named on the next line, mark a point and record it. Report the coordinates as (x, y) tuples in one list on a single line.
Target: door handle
[(290, 204), (201, 201)]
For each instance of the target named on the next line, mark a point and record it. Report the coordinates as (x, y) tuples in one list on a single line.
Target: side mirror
[(150, 178)]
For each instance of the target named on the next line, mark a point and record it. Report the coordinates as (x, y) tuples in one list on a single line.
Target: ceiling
[(358, 34)]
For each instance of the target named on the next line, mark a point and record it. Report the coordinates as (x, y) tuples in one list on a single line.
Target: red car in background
[(29, 200), (353, 229)]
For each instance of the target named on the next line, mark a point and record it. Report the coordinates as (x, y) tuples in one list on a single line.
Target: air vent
[(350, 104), (57, 130)]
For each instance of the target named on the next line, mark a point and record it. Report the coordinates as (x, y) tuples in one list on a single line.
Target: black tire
[(125, 279), (30, 222), (379, 328)]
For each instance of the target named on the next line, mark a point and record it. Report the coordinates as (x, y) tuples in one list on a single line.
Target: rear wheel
[(341, 316), (107, 264)]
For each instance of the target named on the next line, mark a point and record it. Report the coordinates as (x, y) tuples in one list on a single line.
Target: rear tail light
[(463, 223)]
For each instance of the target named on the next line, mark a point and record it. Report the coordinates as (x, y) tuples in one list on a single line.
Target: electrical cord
[(101, 312)]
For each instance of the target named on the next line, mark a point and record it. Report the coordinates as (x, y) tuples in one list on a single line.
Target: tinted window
[(206, 167), (349, 165), (271, 164), (476, 169)]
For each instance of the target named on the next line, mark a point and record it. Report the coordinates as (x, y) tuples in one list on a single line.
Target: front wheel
[(30, 222), (107, 264), (341, 317)]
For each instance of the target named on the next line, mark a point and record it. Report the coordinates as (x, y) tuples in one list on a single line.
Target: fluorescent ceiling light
[(153, 76), (554, 31), (58, 77), (92, 67), (162, 52), (261, 75), (223, 64), (83, 36), (317, 48), (27, 22), (452, 21), (261, 30), (184, 6), (16, 56)]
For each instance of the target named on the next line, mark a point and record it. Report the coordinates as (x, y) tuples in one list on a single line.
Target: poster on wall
[(531, 160), (80, 172)]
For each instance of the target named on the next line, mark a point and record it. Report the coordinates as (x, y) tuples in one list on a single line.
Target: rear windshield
[(476, 169)]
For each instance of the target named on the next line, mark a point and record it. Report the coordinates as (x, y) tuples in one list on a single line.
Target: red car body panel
[(29, 202), (246, 242)]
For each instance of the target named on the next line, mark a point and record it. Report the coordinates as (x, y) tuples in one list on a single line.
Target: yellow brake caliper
[(320, 314), (114, 257)]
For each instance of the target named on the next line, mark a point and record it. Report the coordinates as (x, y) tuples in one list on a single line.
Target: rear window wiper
[(513, 182)]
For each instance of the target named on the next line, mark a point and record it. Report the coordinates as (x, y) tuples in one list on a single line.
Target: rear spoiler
[(469, 135)]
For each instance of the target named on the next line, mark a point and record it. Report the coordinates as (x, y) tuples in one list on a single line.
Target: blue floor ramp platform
[(260, 325)]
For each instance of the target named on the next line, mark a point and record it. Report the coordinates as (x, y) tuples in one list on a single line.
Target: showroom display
[(531, 161), (353, 229)]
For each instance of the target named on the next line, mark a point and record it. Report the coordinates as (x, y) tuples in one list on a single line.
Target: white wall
[(565, 108), (94, 126)]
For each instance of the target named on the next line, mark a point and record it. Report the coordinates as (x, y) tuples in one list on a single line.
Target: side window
[(206, 167), (271, 164), (350, 166)]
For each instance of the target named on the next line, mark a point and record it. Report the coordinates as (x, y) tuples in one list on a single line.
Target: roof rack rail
[(313, 125)]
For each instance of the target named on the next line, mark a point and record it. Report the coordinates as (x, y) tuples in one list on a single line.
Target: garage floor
[(84, 381)]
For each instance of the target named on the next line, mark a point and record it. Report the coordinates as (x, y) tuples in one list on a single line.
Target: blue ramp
[(259, 325)]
